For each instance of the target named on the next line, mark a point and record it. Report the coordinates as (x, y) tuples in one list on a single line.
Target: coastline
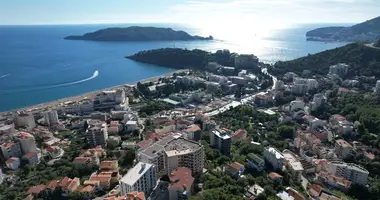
[(92, 94)]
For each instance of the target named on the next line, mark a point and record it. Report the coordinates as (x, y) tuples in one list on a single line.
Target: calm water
[(37, 65)]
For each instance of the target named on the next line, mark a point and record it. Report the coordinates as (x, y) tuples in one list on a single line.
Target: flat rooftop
[(221, 134), (136, 173)]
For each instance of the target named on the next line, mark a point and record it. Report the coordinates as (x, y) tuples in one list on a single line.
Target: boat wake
[(3, 76), (12, 91)]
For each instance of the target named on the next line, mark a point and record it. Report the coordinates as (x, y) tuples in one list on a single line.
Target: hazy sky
[(186, 11)]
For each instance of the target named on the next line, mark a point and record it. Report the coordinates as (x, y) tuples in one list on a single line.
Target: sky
[(204, 12)]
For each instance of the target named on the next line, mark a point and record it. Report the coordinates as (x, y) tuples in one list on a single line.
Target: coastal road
[(242, 101)]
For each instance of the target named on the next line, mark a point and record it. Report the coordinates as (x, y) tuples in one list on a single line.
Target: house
[(73, 185), (100, 181), (54, 152), (36, 190), (315, 190), (239, 134), (181, 185), (51, 186), (295, 194), (82, 162), (13, 163), (32, 158), (193, 132), (334, 181), (256, 162), (320, 165), (275, 177), (235, 169), (128, 196), (109, 165)]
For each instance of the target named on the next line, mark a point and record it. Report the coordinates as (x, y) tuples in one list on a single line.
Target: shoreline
[(91, 94)]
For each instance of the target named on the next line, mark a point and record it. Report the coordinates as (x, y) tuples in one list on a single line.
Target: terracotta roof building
[(181, 186)]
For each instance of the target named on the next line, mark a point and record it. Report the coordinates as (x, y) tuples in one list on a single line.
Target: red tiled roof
[(65, 182), (321, 162), (81, 159), (88, 188), (343, 143), (239, 133), (274, 175), (193, 128), (107, 164), (52, 184), (181, 177), (30, 155), (11, 160), (9, 144), (36, 189), (315, 190), (295, 194), (51, 148), (73, 184), (235, 166), (143, 144), (135, 196), (369, 155)]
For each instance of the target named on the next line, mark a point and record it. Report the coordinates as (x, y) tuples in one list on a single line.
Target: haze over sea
[(37, 65)]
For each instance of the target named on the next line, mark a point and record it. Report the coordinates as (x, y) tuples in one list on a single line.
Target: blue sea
[(37, 65)]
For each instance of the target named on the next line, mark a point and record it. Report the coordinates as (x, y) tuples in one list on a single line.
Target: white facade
[(312, 84), (274, 157), (352, 172), (13, 163), (141, 177), (51, 117), (7, 129), (319, 100), (131, 125), (343, 149), (25, 120), (339, 69), (292, 163), (279, 85), (294, 105), (97, 134)]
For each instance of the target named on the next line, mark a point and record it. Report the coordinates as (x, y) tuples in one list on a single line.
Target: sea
[(37, 65)]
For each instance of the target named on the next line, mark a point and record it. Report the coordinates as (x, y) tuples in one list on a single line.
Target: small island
[(137, 33), (368, 31)]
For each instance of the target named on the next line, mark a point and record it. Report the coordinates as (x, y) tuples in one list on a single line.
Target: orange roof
[(73, 184), (343, 143), (129, 196), (91, 182), (9, 144), (239, 133), (296, 195), (107, 164), (193, 128), (11, 160), (88, 188), (274, 175), (52, 184), (51, 148), (30, 155), (29, 197), (81, 159), (181, 177), (235, 166), (36, 189), (315, 190), (369, 155), (65, 182)]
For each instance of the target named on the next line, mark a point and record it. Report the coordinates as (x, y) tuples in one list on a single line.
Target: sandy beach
[(89, 95)]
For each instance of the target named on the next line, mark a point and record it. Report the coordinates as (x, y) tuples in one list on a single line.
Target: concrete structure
[(235, 169), (141, 177), (7, 129), (172, 152), (344, 149), (13, 163), (296, 105), (319, 101), (350, 171), (238, 80), (32, 158), (240, 134), (182, 184), (97, 134), (246, 61), (217, 79), (377, 87), (293, 164), (275, 177), (131, 125), (340, 125), (279, 85), (255, 162), (25, 120), (334, 181), (27, 142), (51, 117), (339, 69), (262, 99), (274, 157), (221, 140), (212, 87), (11, 149)]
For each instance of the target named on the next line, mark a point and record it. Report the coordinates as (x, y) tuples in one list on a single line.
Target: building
[(334, 181), (27, 142), (11, 149), (235, 169), (240, 134), (51, 117), (97, 134), (172, 152), (262, 99), (238, 80), (222, 80), (212, 87), (131, 125), (181, 185), (312, 84), (245, 61), (344, 149), (129, 196), (296, 105), (142, 177), (255, 162), (377, 87), (25, 120), (32, 158), (275, 177), (221, 140), (279, 85), (340, 125), (339, 69), (13, 163), (193, 132), (7, 129), (293, 164), (319, 100), (274, 157), (350, 171)]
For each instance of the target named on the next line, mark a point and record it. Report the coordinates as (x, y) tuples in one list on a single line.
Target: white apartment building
[(142, 177), (218, 79), (274, 157), (319, 100), (97, 134), (312, 84), (172, 152), (296, 105), (350, 171), (343, 149), (377, 87), (27, 142), (339, 69), (131, 125), (51, 117), (293, 164), (25, 120)]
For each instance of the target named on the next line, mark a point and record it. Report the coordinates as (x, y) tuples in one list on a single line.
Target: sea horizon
[(38, 66)]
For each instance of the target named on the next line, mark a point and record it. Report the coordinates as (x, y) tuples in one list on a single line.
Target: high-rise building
[(27, 142), (51, 117), (97, 134), (221, 140), (320, 100), (274, 157), (141, 177), (10, 149), (343, 149), (25, 120), (339, 69), (350, 171), (172, 152)]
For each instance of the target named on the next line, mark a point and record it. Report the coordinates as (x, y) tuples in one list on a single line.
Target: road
[(244, 100)]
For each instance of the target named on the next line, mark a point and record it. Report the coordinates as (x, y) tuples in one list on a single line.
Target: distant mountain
[(136, 33), (362, 59), (367, 31)]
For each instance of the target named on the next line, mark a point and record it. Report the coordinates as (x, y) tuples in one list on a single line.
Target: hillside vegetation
[(363, 60)]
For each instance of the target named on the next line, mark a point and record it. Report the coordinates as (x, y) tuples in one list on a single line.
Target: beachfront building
[(27, 142), (25, 120), (51, 117), (141, 177)]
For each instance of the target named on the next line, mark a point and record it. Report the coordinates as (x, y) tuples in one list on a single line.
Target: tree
[(286, 131)]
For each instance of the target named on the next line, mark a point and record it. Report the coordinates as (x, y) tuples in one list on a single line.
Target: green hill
[(363, 60)]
